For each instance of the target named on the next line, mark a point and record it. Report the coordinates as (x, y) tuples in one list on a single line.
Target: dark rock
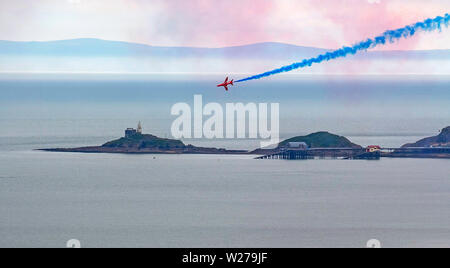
[(323, 140), (441, 140)]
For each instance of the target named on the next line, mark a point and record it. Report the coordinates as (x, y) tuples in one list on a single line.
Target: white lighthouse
[(139, 128)]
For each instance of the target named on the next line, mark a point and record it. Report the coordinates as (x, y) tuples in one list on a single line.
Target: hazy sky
[(216, 23)]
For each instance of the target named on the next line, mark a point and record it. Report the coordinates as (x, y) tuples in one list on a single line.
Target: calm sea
[(219, 201)]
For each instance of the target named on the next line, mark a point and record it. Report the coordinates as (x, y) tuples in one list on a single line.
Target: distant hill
[(269, 50), (441, 140), (99, 56), (97, 48), (144, 141), (323, 140)]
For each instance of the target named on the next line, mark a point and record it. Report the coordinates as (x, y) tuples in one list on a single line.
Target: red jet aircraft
[(226, 83)]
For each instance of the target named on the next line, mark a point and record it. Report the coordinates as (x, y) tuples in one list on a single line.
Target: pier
[(288, 155), (346, 153), (363, 154)]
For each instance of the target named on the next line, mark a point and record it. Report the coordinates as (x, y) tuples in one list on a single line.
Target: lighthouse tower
[(139, 128)]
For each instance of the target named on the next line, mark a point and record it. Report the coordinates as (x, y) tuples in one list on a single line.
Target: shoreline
[(320, 144), (214, 151), (105, 150)]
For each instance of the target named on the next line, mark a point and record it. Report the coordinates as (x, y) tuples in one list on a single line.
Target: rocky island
[(146, 144), (441, 140), (323, 139), (432, 147), (319, 140), (134, 142)]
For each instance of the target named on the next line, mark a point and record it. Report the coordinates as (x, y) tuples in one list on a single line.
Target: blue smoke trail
[(389, 36)]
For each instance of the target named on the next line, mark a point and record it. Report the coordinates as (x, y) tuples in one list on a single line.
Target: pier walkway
[(360, 153)]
